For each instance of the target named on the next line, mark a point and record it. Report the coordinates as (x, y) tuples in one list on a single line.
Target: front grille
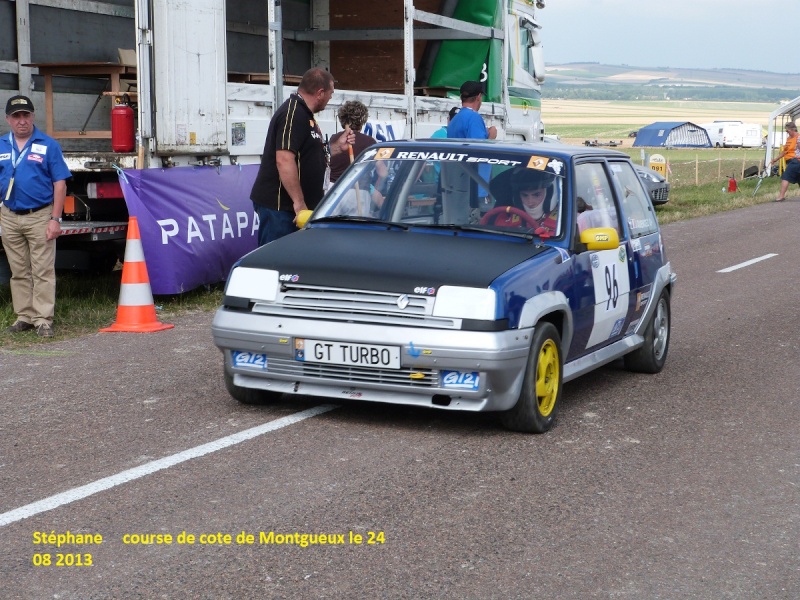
[(350, 301), (659, 194), (423, 378), (355, 306)]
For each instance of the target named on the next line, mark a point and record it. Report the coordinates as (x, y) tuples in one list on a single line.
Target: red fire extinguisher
[(732, 187), (123, 130)]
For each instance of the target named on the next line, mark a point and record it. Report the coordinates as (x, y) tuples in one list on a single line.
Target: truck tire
[(249, 395), (540, 397)]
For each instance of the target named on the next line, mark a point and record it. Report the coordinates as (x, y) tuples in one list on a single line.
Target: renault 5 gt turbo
[(456, 275)]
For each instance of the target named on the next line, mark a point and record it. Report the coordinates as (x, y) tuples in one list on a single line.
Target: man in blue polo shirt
[(468, 123), (33, 188)]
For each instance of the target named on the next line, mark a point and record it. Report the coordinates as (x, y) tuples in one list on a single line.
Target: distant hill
[(588, 73), (594, 80)]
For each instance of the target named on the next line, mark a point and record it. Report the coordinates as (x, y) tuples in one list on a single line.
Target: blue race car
[(457, 275)]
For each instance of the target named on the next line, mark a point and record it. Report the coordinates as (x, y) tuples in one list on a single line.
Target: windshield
[(451, 188)]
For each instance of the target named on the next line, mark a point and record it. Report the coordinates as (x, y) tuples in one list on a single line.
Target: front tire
[(536, 408), (249, 395), (650, 358)]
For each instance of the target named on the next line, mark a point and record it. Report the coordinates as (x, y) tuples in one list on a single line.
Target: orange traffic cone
[(136, 311)]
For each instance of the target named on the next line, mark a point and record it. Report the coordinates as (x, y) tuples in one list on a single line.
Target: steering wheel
[(499, 211)]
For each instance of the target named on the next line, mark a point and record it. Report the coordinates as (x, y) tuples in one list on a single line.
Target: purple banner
[(195, 222)]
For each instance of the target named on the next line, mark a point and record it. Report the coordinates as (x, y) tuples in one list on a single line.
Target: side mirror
[(302, 218), (600, 238)]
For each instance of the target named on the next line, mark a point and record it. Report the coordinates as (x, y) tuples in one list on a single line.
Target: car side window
[(594, 198), (636, 206)]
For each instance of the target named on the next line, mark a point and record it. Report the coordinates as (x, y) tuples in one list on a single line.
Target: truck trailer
[(162, 106)]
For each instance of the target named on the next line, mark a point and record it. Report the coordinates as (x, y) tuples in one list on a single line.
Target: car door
[(644, 240), (602, 295)]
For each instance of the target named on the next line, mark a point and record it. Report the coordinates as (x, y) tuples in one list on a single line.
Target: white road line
[(746, 263), (106, 483)]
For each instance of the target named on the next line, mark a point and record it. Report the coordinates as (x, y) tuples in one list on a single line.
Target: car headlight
[(456, 302), (253, 284), (651, 176)]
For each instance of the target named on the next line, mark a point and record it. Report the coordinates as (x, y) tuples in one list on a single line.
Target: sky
[(718, 34)]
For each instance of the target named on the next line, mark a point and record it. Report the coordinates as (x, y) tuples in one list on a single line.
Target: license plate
[(347, 354), (251, 360)]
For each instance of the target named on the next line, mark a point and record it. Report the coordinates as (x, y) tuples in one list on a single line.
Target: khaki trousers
[(32, 259)]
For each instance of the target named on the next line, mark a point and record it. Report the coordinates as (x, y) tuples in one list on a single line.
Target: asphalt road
[(678, 485)]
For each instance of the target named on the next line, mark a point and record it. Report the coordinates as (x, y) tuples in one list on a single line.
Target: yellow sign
[(659, 164)]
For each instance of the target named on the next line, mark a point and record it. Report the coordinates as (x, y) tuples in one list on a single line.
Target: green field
[(591, 118), (697, 175), (575, 121), (689, 166)]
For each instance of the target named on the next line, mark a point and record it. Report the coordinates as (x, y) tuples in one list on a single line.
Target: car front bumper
[(497, 358)]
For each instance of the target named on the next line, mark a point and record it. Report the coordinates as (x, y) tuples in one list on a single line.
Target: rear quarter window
[(638, 211)]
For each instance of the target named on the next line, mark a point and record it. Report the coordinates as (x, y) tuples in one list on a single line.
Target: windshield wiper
[(482, 229), (357, 219)]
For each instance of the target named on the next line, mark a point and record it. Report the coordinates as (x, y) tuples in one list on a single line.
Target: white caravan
[(734, 134)]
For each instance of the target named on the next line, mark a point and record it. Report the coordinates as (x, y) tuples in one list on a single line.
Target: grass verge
[(85, 303), (692, 201)]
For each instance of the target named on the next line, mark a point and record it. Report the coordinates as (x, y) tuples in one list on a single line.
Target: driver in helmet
[(533, 192)]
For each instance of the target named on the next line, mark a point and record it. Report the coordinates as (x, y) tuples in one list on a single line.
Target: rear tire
[(650, 358), (249, 395), (536, 408)]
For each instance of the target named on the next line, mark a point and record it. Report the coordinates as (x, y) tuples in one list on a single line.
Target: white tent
[(787, 112)]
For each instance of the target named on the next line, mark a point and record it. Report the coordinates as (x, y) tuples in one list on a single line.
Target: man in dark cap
[(468, 123), (33, 188)]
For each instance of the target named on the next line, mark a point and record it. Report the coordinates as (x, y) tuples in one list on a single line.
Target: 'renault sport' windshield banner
[(195, 222)]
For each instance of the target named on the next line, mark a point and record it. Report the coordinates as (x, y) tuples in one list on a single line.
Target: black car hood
[(389, 260)]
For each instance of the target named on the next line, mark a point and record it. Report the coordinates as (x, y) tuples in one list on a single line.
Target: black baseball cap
[(471, 88), (17, 104)]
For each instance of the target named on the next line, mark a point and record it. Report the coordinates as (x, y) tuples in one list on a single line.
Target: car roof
[(563, 151)]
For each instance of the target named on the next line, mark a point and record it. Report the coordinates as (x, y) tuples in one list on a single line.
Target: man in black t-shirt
[(295, 159)]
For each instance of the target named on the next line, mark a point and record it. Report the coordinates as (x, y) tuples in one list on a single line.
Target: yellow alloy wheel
[(540, 393), (547, 377)]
